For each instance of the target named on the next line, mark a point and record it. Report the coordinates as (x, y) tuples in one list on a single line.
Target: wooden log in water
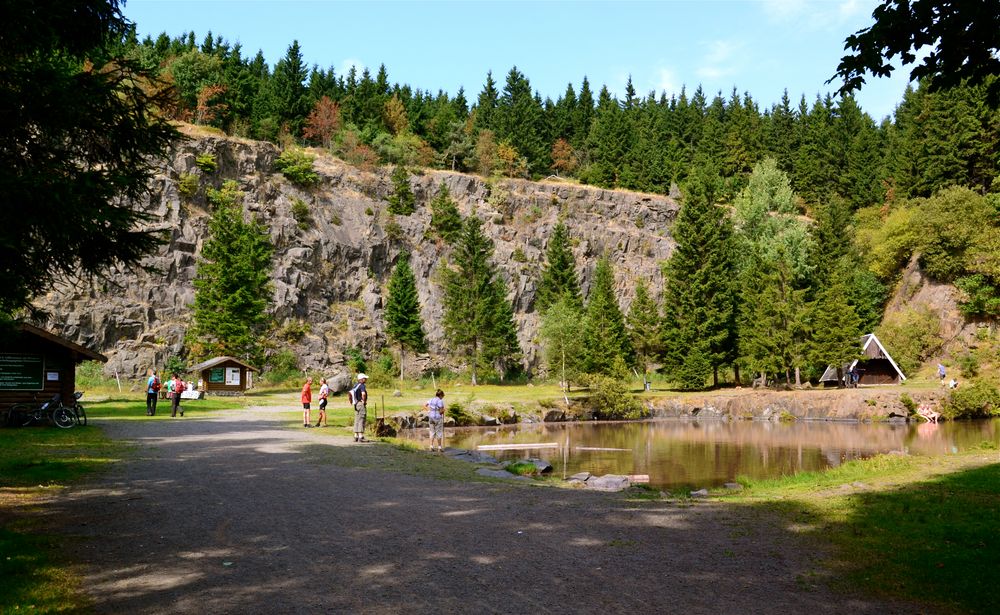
[(638, 478), (516, 447), (599, 448)]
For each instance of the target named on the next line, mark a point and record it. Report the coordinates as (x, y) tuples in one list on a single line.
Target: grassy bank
[(914, 528), (35, 461)]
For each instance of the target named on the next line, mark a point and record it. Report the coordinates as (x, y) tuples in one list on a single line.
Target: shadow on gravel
[(239, 516)]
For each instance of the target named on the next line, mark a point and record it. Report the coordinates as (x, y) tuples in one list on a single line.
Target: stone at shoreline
[(470, 456), (543, 466), (701, 493), (733, 486), (500, 474), (489, 421), (580, 476), (554, 416), (609, 482)]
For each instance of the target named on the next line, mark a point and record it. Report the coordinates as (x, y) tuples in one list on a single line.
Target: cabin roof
[(871, 348), (218, 361), (83, 353)]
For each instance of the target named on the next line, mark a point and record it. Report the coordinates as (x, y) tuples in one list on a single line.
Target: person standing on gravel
[(358, 397), (324, 393), (435, 418), (306, 398), (152, 392)]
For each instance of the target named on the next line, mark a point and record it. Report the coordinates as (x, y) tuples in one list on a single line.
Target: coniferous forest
[(824, 204)]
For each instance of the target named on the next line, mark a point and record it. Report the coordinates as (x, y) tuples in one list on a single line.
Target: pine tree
[(559, 275), (605, 337), (700, 302), (486, 105), (644, 328), (403, 323), (232, 284), (478, 319), (401, 201), (445, 218)]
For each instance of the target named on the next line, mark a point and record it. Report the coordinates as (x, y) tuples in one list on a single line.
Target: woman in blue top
[(435, 418)]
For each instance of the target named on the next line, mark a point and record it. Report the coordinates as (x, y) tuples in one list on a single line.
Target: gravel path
[(236, 514)]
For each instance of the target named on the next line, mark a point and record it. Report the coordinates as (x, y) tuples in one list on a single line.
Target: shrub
[(611, 396), (294, 330), (402, 201), (522, 468), (187, 185), (911, 336), (394, 231), (90, 374), (973, 400), (207, 163), (281, 367), (382, 371), (968, 364), (356, 360), (519, 256), (297, 166), (457, 412), (300, 211), (908, 403)]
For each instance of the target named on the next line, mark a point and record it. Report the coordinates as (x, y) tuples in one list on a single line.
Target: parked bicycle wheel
[(81, 415), (22, 415), (63, 417)]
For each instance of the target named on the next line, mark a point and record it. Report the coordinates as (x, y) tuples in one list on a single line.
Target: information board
[(22, 372), (232, 376), (217, 375)]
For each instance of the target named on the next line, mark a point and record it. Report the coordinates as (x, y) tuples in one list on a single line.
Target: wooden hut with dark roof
[(224, 376), (875, 366), (36, 364)]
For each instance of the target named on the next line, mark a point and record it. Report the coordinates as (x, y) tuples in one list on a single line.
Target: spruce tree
[(559, 275), (401, 201), (700, 303), (478, 319), (644, 328), (605, 337), (835, 329), (445, 218), (403, 323), (233, 281)]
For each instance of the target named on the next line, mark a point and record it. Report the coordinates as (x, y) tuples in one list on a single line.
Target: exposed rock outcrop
[(332, 276)]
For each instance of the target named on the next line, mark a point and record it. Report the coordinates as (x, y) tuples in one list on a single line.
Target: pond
[(689, 453)]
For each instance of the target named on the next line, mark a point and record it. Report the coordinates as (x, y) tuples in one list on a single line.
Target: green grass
[(920, 529), (34, 578)]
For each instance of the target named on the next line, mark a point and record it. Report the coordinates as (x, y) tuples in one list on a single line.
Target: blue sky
[(758, 46)]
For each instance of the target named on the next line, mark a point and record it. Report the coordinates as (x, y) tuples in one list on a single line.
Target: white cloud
[(816, 14), (347, 63), (666, 82), (848, 9), (722, 58)]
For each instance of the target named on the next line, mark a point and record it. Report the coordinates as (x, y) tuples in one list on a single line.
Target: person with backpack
[(152, 392), (175, 397), (358, 397), (324, 393)]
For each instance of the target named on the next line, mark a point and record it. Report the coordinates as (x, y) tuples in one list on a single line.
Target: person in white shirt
[(324, 394), (435, 417)]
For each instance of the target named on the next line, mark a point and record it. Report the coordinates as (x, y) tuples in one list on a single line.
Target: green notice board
[(22, 372), (217, 375)]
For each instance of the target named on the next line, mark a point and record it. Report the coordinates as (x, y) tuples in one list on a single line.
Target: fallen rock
[(733, 486), (489, 421), (701, 493), (580, 476), (470, 456), (608, 482), (543, 466), (554, 416)]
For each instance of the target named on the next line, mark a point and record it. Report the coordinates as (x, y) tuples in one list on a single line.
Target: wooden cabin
[(874, 367), (224, 376), (36, 364)]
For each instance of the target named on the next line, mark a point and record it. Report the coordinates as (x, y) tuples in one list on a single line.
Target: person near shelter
[(941, 373), (435, 418), (358, 397), (324, 393), (176, 389), (152, 392), (306, 399)]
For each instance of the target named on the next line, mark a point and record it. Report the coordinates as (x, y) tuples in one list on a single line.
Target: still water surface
[(684, 453)]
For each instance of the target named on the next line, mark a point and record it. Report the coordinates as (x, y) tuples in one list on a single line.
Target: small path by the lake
[(238, 514)]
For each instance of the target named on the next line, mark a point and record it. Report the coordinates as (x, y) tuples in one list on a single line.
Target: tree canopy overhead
[(963, 38), (79, 129)]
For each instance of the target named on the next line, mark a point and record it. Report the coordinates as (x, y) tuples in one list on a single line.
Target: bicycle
[(51, 410), (77, 409)]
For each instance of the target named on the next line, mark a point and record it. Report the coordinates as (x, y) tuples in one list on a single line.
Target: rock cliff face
[(332, 276)]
